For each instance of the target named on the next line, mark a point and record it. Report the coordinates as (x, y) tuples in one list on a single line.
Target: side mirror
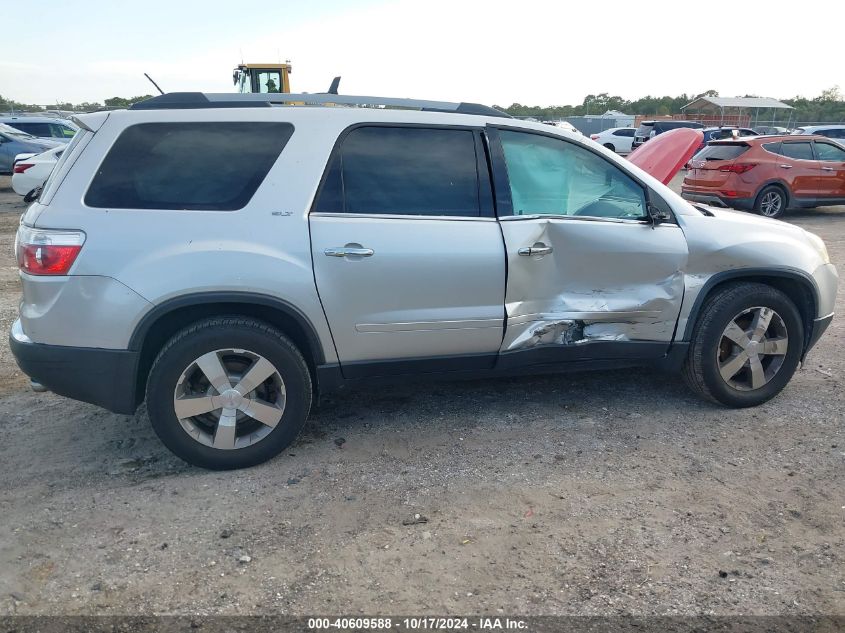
[(658, 216)]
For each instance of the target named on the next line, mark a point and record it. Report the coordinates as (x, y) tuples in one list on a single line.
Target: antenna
[(153, 83)]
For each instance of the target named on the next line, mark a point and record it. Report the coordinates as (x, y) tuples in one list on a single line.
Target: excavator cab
[(262, 78)]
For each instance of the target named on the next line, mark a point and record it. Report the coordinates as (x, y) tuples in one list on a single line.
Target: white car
[(31, 171), (616, 139)]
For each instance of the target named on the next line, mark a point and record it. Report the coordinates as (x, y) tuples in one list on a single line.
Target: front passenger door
[(589, 276)]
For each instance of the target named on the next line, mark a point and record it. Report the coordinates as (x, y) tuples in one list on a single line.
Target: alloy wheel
[(229, 398), (771, 203), (752, 348)]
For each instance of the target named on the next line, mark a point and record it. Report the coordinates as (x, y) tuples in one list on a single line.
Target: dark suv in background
[(650, 129)]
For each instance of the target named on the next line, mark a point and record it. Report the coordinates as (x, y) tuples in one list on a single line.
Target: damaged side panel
[(603, 280)]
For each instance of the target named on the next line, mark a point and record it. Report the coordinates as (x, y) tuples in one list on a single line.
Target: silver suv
[(228, 260)]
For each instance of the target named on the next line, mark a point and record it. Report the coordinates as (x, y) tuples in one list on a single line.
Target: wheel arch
[(167, 318), (796, 284), (777, 182)]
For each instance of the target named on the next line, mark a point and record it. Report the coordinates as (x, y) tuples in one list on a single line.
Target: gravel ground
[(598, 493)]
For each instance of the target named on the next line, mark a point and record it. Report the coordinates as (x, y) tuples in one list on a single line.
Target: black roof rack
[(197, 100)]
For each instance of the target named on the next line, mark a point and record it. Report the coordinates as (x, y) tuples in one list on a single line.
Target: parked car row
[(14, 142), (768, 174), (60, 130)]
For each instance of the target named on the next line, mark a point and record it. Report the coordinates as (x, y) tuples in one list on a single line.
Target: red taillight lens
[(22, 167), (738, 168), (594, 136), (45, 252)]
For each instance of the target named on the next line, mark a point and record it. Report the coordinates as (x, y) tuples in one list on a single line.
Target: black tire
[(701, 369), (610, 146), (772, 194), (236, 333)]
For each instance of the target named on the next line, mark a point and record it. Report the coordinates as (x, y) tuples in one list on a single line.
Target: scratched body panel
[(604, 281)]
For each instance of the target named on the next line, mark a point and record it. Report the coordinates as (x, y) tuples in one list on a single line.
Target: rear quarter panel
[(262, 248)]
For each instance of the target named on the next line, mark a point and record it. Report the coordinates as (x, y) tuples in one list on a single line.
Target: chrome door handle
[(827, 168), (537, 249), (347, 250), (786, 166)]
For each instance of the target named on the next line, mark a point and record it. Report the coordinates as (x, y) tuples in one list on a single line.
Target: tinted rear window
[(722, 152), (645, 129), (197, 166), (801, 151), (403, 171)]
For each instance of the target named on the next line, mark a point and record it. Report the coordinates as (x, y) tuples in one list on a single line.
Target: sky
[(492, 52)]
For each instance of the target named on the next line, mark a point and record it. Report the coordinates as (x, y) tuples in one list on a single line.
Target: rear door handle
[(786, 166), (827, 168), (538, 249), (345, 251)]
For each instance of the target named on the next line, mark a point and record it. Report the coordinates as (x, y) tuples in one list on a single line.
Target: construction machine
[(262, 78)]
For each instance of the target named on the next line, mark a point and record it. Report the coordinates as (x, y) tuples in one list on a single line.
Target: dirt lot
[(602, 493)]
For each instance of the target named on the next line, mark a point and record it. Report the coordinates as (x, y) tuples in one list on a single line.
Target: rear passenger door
[(801, 171), (408, 256)]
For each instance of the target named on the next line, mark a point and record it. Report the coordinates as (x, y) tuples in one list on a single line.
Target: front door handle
[(538, 249), (785, 166), (346, 251), (827, 168)]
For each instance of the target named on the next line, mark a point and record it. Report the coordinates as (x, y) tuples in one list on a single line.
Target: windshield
[(8, 129)]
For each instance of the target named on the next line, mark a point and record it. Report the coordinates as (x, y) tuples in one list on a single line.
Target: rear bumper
[(718, 201), (104, 377)]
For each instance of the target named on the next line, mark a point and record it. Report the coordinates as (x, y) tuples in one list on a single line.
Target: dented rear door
[(589, 276)]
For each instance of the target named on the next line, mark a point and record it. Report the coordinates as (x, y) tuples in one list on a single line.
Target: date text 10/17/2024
[(418, 624)]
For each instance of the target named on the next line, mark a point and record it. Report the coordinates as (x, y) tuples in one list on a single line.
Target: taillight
[(46, 252), (593, 136), (22, 167), (738, 168)]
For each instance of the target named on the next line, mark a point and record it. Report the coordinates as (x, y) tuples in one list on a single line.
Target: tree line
[(86, 106), (828, 106)]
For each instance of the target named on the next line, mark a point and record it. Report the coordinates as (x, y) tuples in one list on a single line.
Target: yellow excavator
[(262, 78)]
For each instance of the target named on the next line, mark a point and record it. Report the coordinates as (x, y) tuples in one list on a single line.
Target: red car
[(768, 174)]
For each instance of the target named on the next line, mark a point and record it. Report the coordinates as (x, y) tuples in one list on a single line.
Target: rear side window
[(624, 132), (722, 152), (403, 171), (800, 151), (196, 166), (36, 129), (834, 133), (774, 148)]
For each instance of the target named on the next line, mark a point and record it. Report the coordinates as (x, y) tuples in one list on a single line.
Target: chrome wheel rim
[(771, 203), (229, 398), (752, 348)]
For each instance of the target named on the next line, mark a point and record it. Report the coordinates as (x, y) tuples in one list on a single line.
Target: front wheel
[(228, 392), (746, 346), (771, 202)]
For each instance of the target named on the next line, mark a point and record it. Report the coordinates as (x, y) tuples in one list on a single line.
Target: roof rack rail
[(196, 100)]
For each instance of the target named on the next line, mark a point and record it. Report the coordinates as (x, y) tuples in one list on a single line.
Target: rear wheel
[(610, 146), (228, 392), (771, 202), (746, 346)]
